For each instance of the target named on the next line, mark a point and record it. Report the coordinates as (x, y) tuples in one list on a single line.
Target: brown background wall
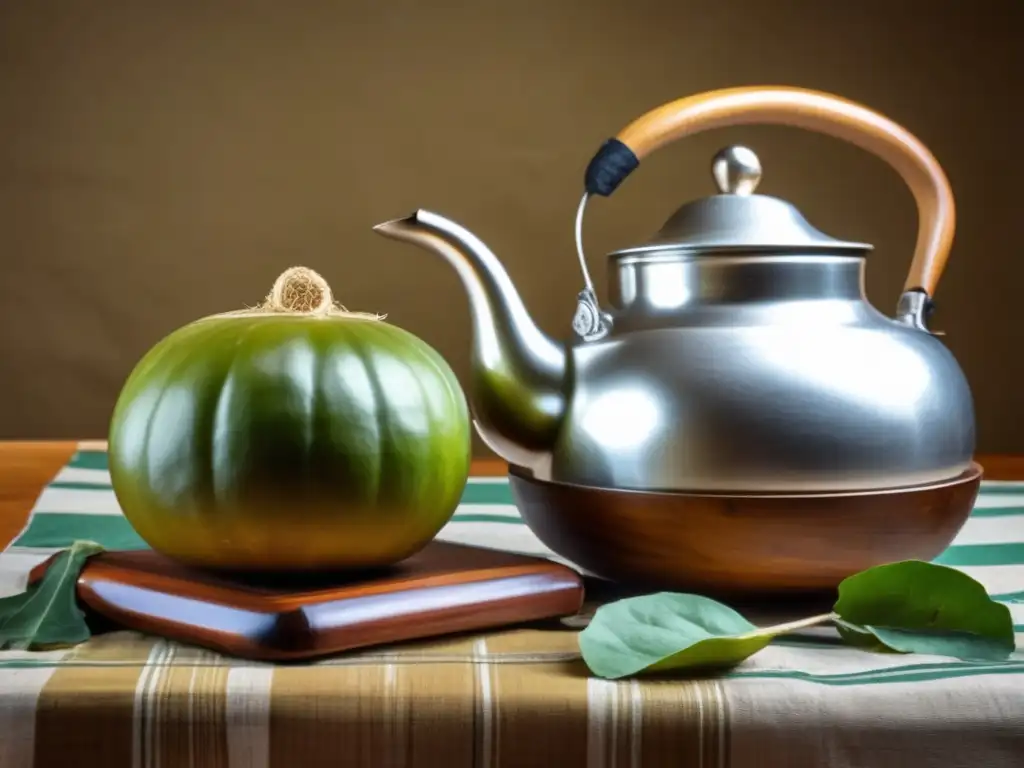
[(164, 160)]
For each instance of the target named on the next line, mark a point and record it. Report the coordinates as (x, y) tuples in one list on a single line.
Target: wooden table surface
[(26, 467)]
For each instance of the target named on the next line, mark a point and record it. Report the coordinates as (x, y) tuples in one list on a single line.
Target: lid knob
[(737, 171)]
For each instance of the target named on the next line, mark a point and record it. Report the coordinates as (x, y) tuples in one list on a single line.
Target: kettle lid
[(736, 219)]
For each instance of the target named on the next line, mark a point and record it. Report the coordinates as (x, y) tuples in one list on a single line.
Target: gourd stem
[(300, 289)]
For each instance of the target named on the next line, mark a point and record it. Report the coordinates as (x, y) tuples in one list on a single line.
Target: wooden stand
[(446, 588)]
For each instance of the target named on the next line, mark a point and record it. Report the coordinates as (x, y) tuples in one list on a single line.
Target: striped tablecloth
[(510, 698)]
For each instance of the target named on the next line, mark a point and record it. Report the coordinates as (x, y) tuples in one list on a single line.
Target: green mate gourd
[(293, 436)]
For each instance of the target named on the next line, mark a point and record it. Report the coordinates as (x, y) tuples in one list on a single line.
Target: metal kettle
[(737, 351)]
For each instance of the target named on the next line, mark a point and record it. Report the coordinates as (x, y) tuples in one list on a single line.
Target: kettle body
[(759, 374)]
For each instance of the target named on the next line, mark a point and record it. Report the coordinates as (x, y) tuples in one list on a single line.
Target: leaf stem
[(792, 626)]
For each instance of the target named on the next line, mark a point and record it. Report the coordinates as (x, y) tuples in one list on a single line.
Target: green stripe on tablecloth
[(996, 511), (65, 485), (487, 493), (89, 460), (53, 530), (475, 492), (1010, 597), (1006, 489), (476, 517), (983, 554), (941, 672)]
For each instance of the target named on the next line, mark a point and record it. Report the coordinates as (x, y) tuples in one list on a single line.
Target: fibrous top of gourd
[(302, 291)]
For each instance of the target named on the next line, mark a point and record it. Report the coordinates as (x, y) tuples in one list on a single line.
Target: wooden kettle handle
[(801, 108)]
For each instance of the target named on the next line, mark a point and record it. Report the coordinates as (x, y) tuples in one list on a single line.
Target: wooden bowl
[(749, 543)]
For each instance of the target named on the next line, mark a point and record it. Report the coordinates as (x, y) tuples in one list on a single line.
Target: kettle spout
[(517, 387)]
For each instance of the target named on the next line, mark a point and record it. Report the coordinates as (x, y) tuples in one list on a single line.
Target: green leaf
[(667, 631), (47, 614), (860, 637), (918, 607)]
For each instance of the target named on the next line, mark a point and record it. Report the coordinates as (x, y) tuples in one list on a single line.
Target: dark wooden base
[(444, 589), (742, 544)]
